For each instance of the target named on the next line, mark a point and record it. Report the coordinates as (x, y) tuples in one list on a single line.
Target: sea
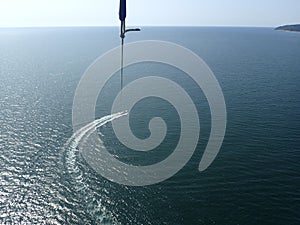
[(255, 178)]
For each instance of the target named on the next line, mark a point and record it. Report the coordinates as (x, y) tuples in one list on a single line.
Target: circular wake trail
[(71, 148)]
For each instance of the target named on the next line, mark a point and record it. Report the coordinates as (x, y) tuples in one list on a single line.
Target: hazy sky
[(19, 13)]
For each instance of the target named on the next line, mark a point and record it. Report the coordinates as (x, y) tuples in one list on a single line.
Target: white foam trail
[(71, 148)]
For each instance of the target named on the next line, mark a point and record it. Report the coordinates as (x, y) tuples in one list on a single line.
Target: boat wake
[(94, 206)]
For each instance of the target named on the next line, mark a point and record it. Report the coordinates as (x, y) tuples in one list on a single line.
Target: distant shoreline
[(293, 28)]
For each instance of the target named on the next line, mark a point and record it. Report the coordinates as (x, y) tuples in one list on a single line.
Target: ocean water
[(255, 178)]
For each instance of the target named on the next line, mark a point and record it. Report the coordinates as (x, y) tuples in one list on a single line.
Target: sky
[(255, 13)]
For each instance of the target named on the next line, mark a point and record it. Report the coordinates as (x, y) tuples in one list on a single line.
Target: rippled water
[(255, 178)]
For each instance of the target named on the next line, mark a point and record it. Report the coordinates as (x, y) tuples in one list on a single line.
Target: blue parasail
[(122, 11)]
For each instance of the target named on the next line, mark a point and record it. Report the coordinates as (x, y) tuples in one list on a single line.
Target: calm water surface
[(254, 180)]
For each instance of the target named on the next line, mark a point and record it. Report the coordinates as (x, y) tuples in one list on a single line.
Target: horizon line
[(82, 26)]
